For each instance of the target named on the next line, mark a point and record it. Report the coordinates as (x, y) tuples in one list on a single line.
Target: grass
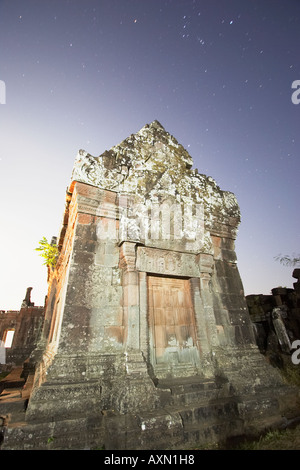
[(291, 374), (288, 439)]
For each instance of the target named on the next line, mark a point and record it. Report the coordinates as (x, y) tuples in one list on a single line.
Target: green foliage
[(287, 260), (49, 251), (291, 374)]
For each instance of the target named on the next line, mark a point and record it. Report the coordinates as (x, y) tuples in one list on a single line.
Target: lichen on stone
[(152, 165)]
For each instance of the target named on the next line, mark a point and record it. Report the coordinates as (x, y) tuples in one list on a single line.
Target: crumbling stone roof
[(152, 165)]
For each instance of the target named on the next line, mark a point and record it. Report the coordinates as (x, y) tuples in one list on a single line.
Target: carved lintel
[(166, 262)]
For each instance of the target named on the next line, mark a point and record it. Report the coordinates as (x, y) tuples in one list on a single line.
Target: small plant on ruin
[(49, 251)]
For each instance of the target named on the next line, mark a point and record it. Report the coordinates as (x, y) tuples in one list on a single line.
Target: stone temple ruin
[(147, 341), (23, 327), (276, 322)]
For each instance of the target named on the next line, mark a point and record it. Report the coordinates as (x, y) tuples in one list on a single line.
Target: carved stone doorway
[(172, 329)]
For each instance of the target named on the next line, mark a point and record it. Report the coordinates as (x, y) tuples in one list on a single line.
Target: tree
[(287, 260), (49, 251)]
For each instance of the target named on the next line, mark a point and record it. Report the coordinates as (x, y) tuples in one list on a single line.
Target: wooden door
[(171, 321)]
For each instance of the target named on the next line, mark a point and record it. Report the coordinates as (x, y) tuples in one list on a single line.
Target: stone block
[(85, 219)]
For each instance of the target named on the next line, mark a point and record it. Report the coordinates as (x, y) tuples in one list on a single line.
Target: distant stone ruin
[(276, 321), (20, 331), (147, 341)]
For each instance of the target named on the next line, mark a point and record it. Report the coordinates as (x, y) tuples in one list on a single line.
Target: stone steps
[(206, 420), (192, 390), (12, 406), (209, 409), (12, 380), (205, 407), (210, 433), (14, 397)]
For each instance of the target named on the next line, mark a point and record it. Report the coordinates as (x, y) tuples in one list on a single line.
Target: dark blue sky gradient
[(86, 74)]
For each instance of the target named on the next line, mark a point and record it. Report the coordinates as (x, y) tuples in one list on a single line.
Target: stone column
[(206, 269), (130, 296), (203, 344), (138, 390), (143, 313)]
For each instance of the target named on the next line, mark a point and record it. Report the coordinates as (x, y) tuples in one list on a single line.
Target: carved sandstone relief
[(166, 262)]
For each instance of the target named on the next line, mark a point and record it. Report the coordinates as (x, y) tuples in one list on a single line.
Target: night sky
[(217, 74)]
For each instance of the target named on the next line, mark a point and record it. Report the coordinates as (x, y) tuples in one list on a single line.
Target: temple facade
[(147, 340)]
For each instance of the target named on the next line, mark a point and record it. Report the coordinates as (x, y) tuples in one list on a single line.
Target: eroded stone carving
[(166, 262), (152, 165)]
